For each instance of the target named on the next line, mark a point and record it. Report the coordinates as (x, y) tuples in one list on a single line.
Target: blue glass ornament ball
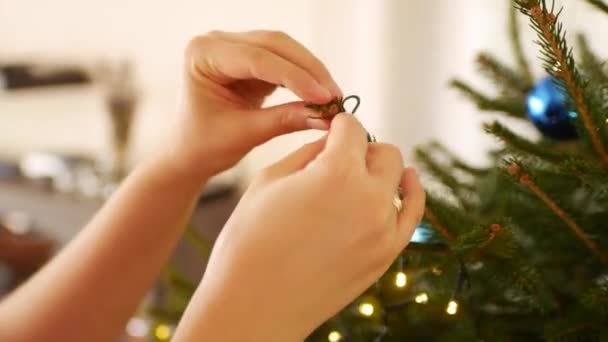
[(548, 110)]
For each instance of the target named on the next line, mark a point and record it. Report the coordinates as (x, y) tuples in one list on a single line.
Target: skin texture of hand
[(227, 76), (311, 233), (89, 291)]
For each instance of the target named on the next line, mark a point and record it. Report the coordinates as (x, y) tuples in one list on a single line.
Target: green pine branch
[(518, 51), (179, 292), (594, 68), (439, 213), (456, 162), (559, 61), (596, 299), (461, 191), (198, 241), (518, 172), (163, 314), (518, 143), (178, 281), (495, 242), (507, 79), (590, 174), (513, 107), (599, 4), (573, 329)]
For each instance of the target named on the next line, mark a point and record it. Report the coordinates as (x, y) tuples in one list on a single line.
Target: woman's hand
[(312, 233), (227, 76)]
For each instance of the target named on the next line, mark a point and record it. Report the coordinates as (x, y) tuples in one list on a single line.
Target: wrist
[(181, 173), (222, 318), (229, 306)]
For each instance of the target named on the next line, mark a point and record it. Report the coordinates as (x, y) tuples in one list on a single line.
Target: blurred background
[(87, 86)]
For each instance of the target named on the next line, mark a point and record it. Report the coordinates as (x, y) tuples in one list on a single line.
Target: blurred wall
[(397, 55)]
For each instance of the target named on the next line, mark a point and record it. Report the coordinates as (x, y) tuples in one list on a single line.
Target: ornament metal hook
[(353, 97)]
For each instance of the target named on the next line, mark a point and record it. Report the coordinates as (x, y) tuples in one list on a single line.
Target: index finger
[(225, 62), (347, 137), (283, 45)]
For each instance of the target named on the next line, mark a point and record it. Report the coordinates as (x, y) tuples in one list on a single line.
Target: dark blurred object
[(23, 250), (21, 76), (9, 170), (121, 100)]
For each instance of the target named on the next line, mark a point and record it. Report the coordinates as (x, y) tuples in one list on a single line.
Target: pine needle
[(599, 4)]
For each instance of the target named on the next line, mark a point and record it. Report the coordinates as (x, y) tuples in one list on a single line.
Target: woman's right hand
[(312, 232)]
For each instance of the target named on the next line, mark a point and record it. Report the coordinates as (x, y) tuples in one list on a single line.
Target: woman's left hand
[(227, 78)]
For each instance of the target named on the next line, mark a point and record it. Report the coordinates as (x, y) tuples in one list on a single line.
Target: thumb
[(296, 160), (270, 122)]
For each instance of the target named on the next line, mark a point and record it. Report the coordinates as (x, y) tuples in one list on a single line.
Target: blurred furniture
[(27, 75), (60, 216), (22, 253)]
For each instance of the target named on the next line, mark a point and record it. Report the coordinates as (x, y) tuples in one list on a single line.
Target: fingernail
[(317, 124)]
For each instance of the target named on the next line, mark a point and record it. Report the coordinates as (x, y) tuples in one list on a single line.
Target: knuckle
[(197, 43), (391, 151), (255, 54), (215, 34), (287, 120), (336, 175), (273, 35)]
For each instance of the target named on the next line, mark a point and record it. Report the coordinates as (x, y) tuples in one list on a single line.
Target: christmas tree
[(517, 251)]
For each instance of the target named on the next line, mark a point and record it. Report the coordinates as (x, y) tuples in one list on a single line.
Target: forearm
[(91, 288)]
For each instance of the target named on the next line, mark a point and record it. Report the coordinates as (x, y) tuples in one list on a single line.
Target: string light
[(421, 298), (366, 309), (162, 332), (334, 336), (401, 279), (452, 307)]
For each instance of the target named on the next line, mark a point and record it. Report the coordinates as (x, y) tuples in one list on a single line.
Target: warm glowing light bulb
[(452, 307), (421, 298), (162, 332), (334, 336), (401, 279), (366, 309)]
